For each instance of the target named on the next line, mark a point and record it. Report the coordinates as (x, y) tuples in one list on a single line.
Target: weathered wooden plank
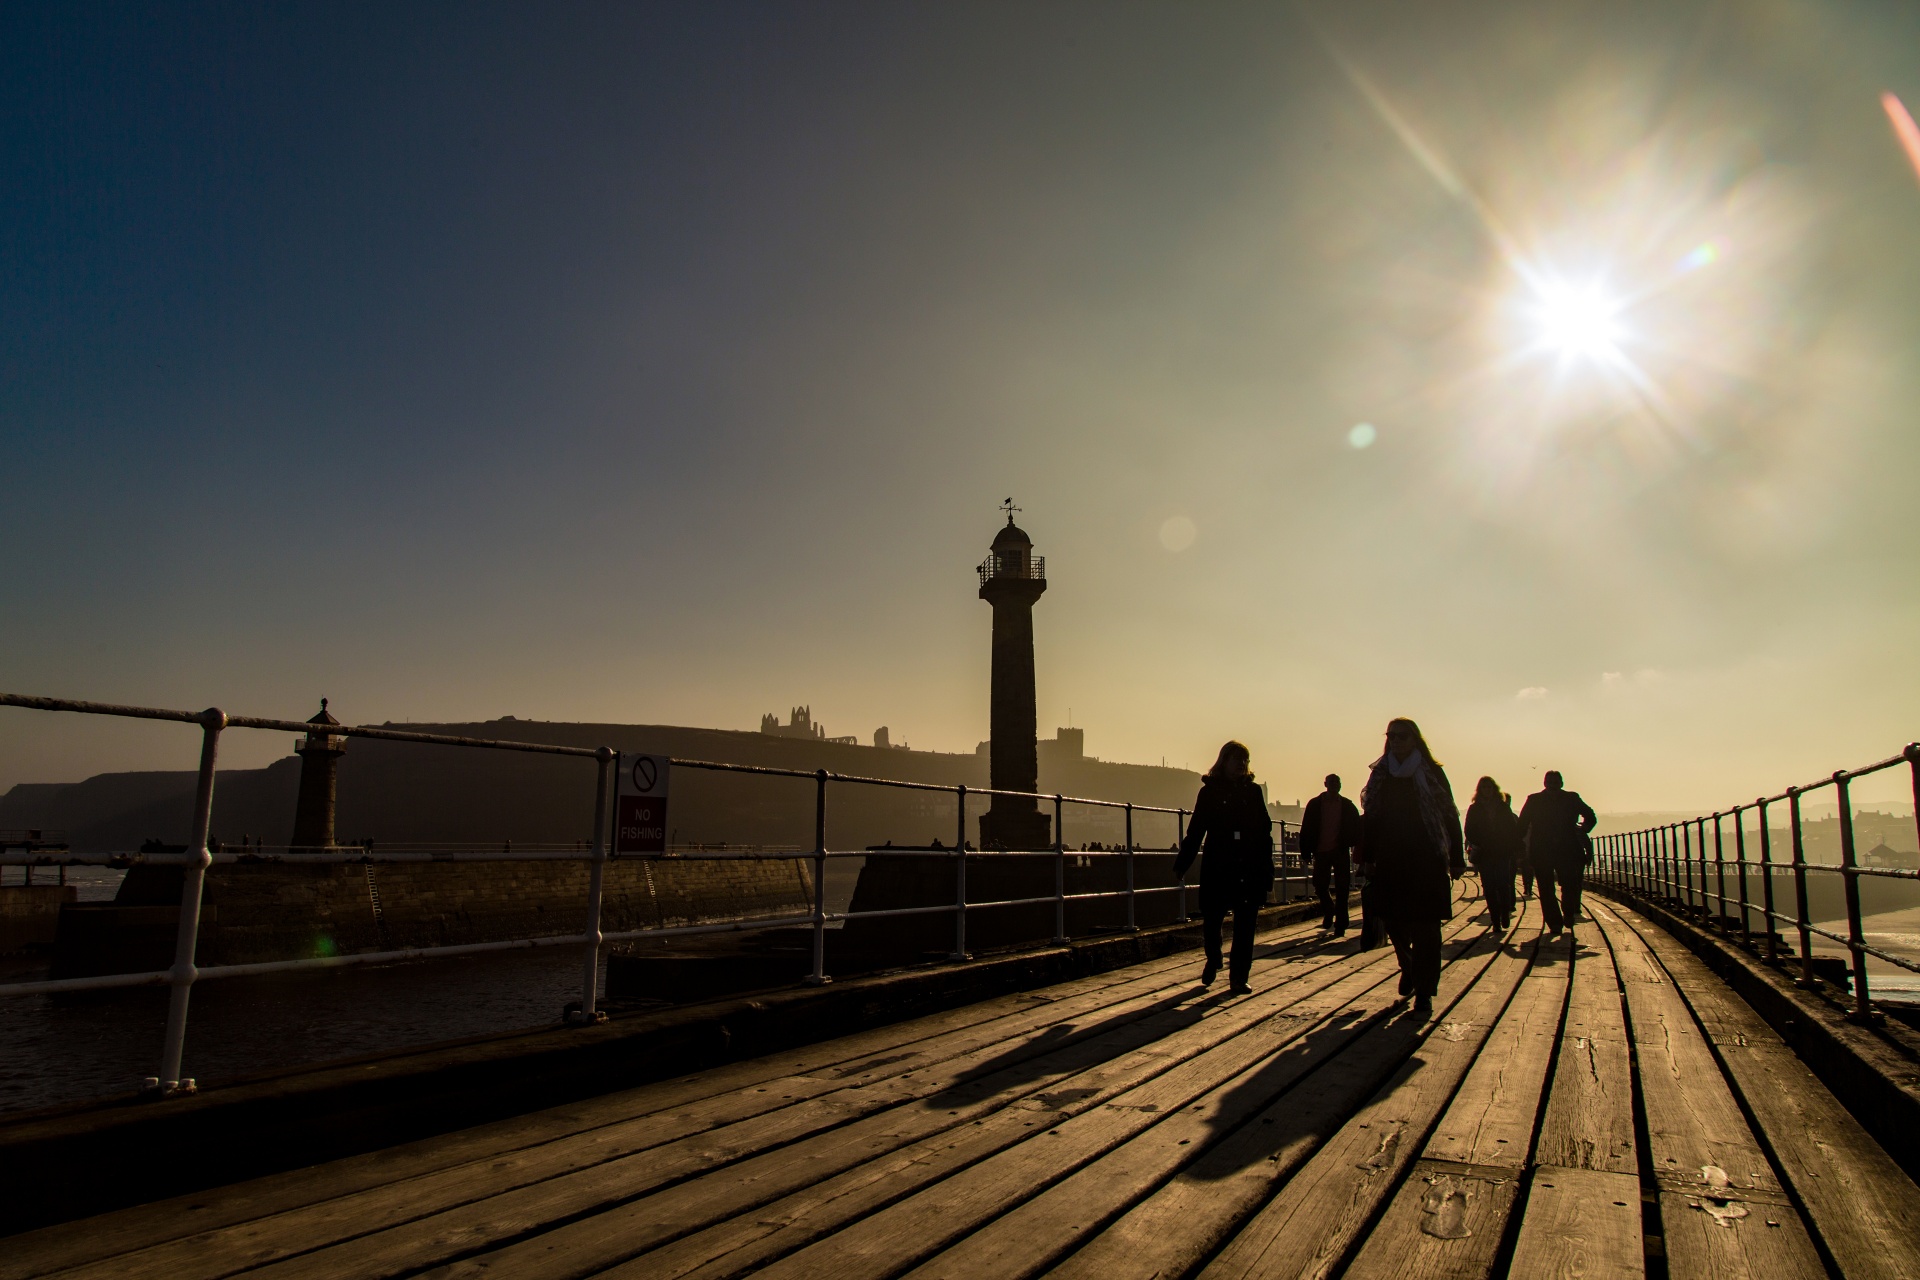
[(1311, 1224), (909, 1231), (748, 1241), (1589, 1120), (1021, 1032), (1491, 1120), (1182, 1223), (839, 1175), (72, 1244), (1580, 1224), (1046, 1228), (1721, 1207), (479, 1218), (1446, 1220), (1865, 1208)]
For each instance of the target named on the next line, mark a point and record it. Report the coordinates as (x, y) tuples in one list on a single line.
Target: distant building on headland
[(800, 725), (1065, 746)]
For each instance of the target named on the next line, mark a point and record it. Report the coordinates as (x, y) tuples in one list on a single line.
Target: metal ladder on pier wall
[(373, 897)]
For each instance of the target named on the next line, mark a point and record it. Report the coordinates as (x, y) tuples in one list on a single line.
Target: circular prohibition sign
[(646, 774)]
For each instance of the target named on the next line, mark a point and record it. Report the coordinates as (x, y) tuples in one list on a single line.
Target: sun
[(1578, 322)]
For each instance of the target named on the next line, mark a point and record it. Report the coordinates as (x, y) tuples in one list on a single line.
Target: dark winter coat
[(1344, 812), (1493, 835), (1554, 825), (1410, 877), (1230, 821)]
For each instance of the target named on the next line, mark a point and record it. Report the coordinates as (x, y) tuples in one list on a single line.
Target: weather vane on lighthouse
[(1008, 507)]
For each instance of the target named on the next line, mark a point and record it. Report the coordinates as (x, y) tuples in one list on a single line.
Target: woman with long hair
[(1412, 853), (1493, 846), (1230, 819)]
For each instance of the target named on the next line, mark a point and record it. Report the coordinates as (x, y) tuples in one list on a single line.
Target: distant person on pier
[(1493, 846), (1411, 853), (1526, 863), (1554, 824), (1329, 830), (1230, 818)]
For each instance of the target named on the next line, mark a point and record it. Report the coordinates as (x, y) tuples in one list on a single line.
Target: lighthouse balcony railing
[(203, 851), (1033, 568)]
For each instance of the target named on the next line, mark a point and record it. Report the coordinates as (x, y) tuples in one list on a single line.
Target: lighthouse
[(1012, 578), (320, 753)]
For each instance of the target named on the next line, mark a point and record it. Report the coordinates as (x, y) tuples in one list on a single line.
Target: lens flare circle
[(1362, 435), (1178, 533)]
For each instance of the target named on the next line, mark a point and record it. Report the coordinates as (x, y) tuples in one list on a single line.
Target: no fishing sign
[(640, 805)]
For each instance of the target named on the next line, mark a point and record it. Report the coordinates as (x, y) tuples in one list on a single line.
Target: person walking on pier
[(1554, 824), (1493, 846), (1230, 818), (1411, 853), (1329, 829)]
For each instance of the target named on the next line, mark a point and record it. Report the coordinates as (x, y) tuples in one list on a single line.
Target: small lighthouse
[(1012, 578), (320, 754)]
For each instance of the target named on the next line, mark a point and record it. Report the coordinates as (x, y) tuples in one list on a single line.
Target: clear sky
[(1544, 371)]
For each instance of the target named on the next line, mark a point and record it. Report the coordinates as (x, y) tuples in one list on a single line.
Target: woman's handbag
[(1373, 930)]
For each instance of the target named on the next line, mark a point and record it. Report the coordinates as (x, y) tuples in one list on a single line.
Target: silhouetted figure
[(1554, 824), (1525, 863), (1230, 817), (1493, 846), (1411, 852), (1329, 829)]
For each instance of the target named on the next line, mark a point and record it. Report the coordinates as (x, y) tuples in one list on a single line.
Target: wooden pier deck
[(1599, 1105)]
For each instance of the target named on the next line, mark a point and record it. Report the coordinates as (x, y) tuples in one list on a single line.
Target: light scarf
[(1438, 814)]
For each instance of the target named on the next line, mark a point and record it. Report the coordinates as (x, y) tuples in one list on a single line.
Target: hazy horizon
[(667, 366)]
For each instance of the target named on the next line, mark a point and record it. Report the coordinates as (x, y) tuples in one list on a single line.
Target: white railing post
[(1179, 838), (819, 975), (596, 891), (1059, 874), (960, 878), (187, 936), (1280, 860)]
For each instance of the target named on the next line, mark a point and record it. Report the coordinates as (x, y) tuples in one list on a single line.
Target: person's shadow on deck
[(1076, 1046), (1079, 1045), (1247, 1128)]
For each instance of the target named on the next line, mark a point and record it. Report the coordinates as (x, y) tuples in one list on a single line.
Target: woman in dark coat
[(1230, 818), (1412, 855), (1493, 846)]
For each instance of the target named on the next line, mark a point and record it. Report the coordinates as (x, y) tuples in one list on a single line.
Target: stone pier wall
[(276, 911)]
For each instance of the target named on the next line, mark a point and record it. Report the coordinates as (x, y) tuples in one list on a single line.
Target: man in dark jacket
[(1230, 819), (1329, 831), (1554, 824)]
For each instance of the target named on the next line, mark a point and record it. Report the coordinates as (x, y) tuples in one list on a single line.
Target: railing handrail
[(200, 854), (1659, 862)]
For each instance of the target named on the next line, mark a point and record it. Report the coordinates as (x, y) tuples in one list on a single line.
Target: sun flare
[(1579, 322)]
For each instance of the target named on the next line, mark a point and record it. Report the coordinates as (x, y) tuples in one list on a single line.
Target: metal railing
[(201, 854), (1670, 864), (1008, 564)]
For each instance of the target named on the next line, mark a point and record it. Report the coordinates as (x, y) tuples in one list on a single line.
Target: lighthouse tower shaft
[(1012, 578)]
